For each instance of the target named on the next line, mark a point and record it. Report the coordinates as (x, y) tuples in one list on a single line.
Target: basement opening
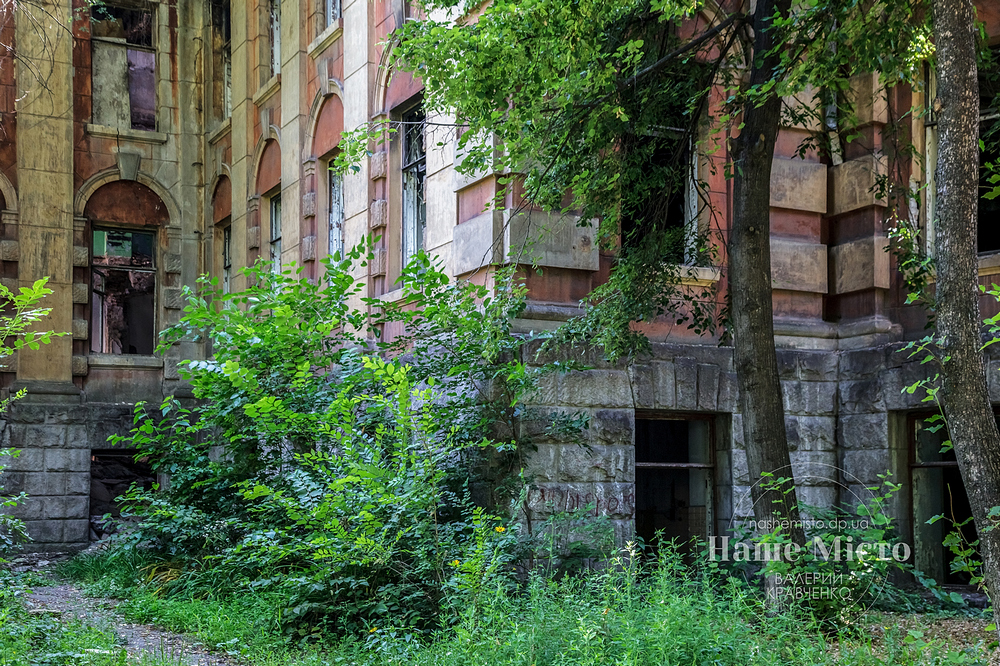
[(112, 473), (674, 471), (938, 490)]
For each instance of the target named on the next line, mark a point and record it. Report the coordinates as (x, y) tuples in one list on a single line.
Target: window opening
[(112, 472), (335, 225), (673, 480), (331, 12), (937, 487), (222, 22), (414, 176), (227, 258), (275, 207), (661, 176), (274, 22), (124, 67), (123, 288)]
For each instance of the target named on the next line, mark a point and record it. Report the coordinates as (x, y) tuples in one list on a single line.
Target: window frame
[(273, 8), (153, 270), (335, 211), (274, 227), (413, 213), (226, 254), (152, 48), (332, 12)]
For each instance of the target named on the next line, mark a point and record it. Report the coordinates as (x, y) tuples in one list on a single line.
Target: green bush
[(332, 464)]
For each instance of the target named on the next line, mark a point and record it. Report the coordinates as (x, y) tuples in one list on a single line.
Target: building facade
[(144, 143)]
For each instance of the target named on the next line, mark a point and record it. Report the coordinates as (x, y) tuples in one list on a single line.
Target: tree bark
[(966, 401), (750, 285)]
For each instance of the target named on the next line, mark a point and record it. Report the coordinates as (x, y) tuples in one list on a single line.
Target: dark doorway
[(112, 473), (673, 479), (938, 490)]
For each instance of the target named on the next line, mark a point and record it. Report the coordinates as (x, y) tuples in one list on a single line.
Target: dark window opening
[(988, 239), (223, 62), (673, 480), (123, 292), (274, 34), (414, 162), (124, 67), (657, 175), (227, 258), (937, 489), (335, 224), (112, 473), (275, 214), (331, 12)]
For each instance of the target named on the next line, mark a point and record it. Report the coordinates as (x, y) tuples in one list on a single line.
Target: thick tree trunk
[(971, 425), (750, 285)]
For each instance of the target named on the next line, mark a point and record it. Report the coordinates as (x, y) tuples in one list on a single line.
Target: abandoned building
[(145, 142)]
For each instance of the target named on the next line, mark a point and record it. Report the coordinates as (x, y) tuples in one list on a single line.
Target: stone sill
[(130, 361), (221, 131), (265, 92), (325, 38), (699, 276), (138, 136), (394, 296)]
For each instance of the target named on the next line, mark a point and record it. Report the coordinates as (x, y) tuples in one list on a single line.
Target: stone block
[(81, 329), (27, 460), (595, 388), (173, 262), (44, 531), (817, 366), (613, 427), (818, 496), (76, 531), (809, 397), (664, 386), (76, 437), (708, 387), (542, 464), (378, 214), (852, 184), (728, 392), (811, 433), (81, 256), (548, 498), (377, 165), (863, 431), (13, 482), (37, 436), (614, 499), (551, 240), (815, 468), (32, 508), (309, 204), (861, 396), (171, 369), (798, 185), (686, 382), (81, 292), (860, 264), (173, 298), (80, 366), (864, 465), (798, 266), (596, 463), (67, 460), (253, 238), (787, 363), (309, 248), (643, 377), (741, 473), (10, 250), (46, 484), (78, 483)]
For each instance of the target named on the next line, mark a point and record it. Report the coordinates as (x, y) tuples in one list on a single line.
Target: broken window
[(414, 176), (673, 479), (335, 225), (331, 12), (274, 34), (223, 60), (938, 490), (659, 172), (275, 212), (227, 258), (123, 67), (123, 291)]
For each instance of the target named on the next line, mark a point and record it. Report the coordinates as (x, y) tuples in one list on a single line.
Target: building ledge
[(699, 276), (131, 361), (325, 38), (222, 130), (394, 296), (266, 91), (138, 136)]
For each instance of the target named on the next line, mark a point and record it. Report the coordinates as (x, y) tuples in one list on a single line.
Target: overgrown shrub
[(330, 462)]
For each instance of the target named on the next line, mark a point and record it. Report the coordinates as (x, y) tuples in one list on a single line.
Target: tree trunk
[(750, 285), (971, 425)]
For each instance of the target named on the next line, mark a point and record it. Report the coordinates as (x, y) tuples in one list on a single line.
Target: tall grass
[(660, 614)]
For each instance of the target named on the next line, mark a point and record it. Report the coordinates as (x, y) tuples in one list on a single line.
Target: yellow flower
[(455, 563), (373, 630), (500, 529)]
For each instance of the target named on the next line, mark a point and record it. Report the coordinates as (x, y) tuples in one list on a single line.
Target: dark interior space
[(672, 480), (112, 473)]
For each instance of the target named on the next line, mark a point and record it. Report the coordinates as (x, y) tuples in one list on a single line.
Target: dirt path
[(138, 640)]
